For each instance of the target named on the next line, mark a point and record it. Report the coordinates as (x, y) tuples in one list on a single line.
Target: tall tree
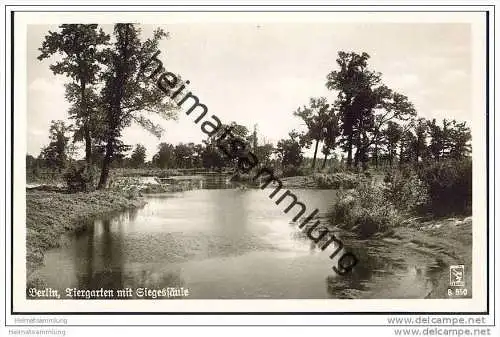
[(420, 144), (127, 94), (354, 83), (407, 149), (331, 132), (315, 116), (80, 48), (437, 140), (392, 134), (388, 106)]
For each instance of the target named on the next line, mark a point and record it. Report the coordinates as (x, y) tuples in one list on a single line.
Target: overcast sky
[(260, 73)]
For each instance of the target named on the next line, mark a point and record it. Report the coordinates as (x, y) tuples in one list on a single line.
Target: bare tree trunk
[(324, 161), (315, 153), (359, 145), (88, 145), (86, 128), (349, 151), (401, 154), (356, 158), (106, 163)]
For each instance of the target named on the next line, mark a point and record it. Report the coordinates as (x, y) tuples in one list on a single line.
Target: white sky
[(260, 73)]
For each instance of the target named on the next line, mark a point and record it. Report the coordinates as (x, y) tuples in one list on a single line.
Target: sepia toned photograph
[(260, 159)]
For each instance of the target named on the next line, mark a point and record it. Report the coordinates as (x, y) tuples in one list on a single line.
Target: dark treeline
[(424, 141), (58, 154), (207, 154)]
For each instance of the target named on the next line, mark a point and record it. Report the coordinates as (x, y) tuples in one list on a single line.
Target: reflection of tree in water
[(353, 283), (380, 266), (104, 259), (84, 279), (434, 273), (104, 265), (369, 269), (132, 214)]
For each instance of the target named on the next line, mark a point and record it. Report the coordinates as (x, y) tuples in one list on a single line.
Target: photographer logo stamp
[(457, 276)]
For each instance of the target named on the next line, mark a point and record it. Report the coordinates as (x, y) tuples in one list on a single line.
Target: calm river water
[(223, 243)]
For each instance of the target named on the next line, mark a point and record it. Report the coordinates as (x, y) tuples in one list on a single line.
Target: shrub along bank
[(439, 189)]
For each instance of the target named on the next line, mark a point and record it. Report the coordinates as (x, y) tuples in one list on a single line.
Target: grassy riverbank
[(445, 242), (50, 214)]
